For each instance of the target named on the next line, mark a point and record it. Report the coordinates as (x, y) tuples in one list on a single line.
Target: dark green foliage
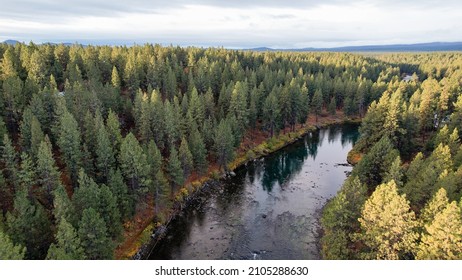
[(29, 226), (8, 250), (198, 151), (332, 106), (10, 161), (340, 218), (224, 143), (69, 144), (423, 176), (174, 169), (104, 154), (119, 189), (185, 157), (101, 199), (272, 112), (47, 172), (316, 103), (374, 166), (68, 245), (94, 236), (134, 165)]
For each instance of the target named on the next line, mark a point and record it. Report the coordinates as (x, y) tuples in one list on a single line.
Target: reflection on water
[(270, 209)]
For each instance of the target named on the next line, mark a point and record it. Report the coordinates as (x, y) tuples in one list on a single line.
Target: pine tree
[(185, 157), (12, 89), (26, 174), (443, 239), (395, 173), (158, 119), (133, 164), (174, 169), (376, 163), (28, 225), (37, 136), (272, 113), (115, 78), (94, 237), (238, 105), (109, 211), (172, 127), (104, 154), (63, 207), (10, 162), (125, 202), (8, 250), (387, 224), (332, 106), (25, 129), (69, 144), (68, 245), (224, 142), (437, 204), (48, 175), (317, 102), (113, 130), (162, 192), (198, 151), (154, 159)]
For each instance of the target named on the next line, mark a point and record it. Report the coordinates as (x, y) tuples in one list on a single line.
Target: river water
[(270, 209)]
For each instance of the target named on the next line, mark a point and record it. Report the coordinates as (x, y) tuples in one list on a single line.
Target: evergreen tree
[(28, 225), (376, 163), (387, 224), (113, 130), (94, 237), (162, 192), (10, 162), (395, 173), (436, 205), (115, 78), (8, 250), (443, 239), (69, 144), (224, 144), (68, 245), (174, 169), (332, 106), (272, 113), (37, 136), (48, 175), (133, 164), (125, 202), (104, 154), (198, 151), (238, 105), (316, 103), (26, 174), (185, 157), (63, 207), (154, 160)]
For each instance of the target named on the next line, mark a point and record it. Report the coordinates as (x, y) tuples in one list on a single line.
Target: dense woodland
[(403, 198), (91, 136)]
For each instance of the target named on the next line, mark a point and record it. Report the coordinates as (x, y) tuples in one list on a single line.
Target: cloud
[(239, 23)]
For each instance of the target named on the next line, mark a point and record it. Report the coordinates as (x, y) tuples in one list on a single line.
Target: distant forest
[(93, 137)]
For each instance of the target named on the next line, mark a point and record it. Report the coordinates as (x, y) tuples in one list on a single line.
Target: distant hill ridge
[(424, 47), (420, 47)]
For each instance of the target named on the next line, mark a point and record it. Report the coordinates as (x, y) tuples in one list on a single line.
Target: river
[(270, 209)]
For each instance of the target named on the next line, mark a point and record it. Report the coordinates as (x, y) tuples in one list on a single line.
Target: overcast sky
[(232, 23)]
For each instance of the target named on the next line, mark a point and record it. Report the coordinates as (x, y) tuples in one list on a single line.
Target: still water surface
[(270, 209)]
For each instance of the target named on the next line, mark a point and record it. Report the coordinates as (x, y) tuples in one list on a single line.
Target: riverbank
[(255, 145)]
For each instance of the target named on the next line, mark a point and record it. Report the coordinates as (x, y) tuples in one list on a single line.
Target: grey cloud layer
[(287, 26)]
